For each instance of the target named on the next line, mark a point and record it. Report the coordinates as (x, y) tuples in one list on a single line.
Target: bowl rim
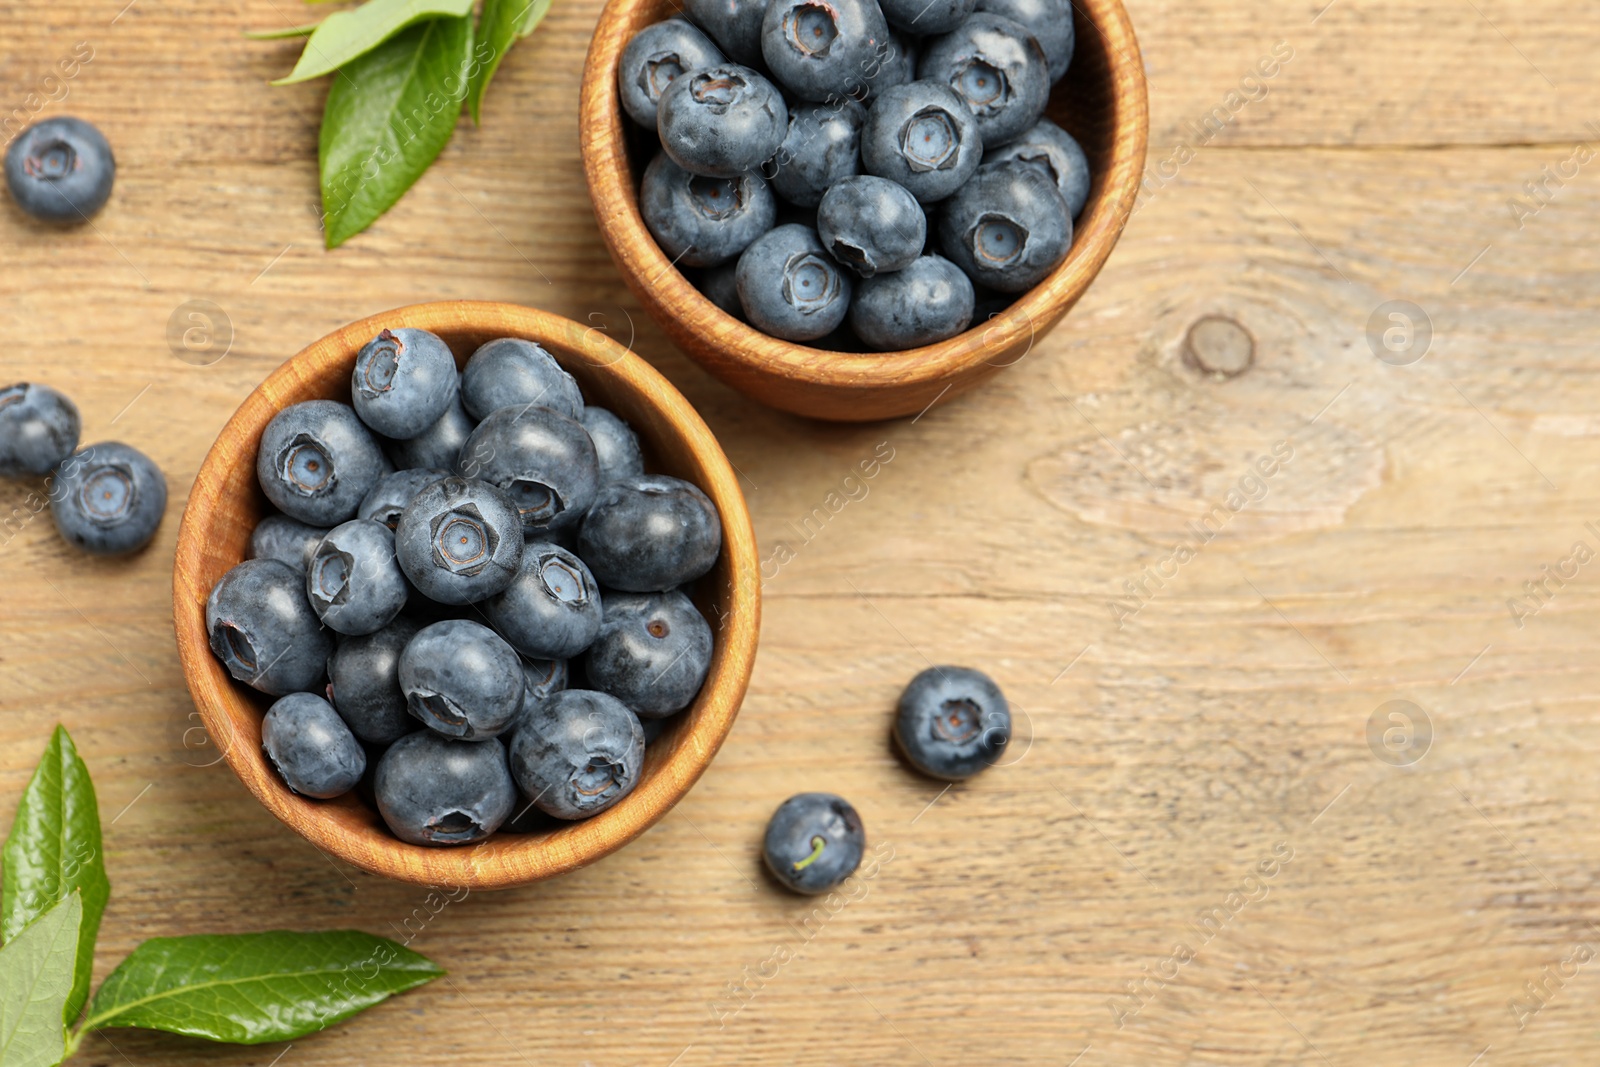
[(1095, 233), (503, 859)]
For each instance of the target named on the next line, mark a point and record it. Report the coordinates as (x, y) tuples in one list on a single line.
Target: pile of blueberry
[(856, 173), (107, 499), (427, 599), (60, 170)]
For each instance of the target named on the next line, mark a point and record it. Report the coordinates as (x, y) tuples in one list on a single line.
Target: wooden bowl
[(1101, 102), (226, 503)]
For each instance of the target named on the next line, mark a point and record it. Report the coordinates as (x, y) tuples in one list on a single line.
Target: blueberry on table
[(60, 170), (616, 446), (404, 381), (577, 753), (1007, 228), (461, 679), (1057, 154), (653, 652), (311, 747), (1050, 22), (998, 68), (353, 580), (720, 285), (928, 302), (261, 626), (317, 460), (513, 372), (821, 147), (439, 446), (923, 136), (872, 225), (386, 500), (699, 221), (108, 499), (952, 722), (814, 841), (434, 791), (734, 24), (38, 429), (650, 533), (822, 50), (790, 287), (364, 683), (459, 541), (927, 17), (654, 57), (721, 121), (551, 609)]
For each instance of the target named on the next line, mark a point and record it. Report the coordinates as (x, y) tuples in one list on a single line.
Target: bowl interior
[(227, 502)]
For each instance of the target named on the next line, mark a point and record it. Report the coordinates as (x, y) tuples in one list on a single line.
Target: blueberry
[(364, 683), (544, 678), (543, 460), (459, 541), (311, 747), (551, 610), (616, 446), (287, 540), (263, 630), (439, 446), (650, 533), (353, 581), (435, 791), (317, 460), (653, 728), (721, 121), (824, 49), (1007, 228), (388, 498), (653, 58), (720, 285), (734, 24), (791, 288), (923, 136), (813, 842), (461, 679), (701, 222), (108, 499), (513, 372), (952, 722), (60, 170), (928, 302), (1050, 22), (577, 754), (822, 146), (872, 225), (404, 381), (653, 652), (1055, 152), (998, 68), (927, 17), (38, 429)]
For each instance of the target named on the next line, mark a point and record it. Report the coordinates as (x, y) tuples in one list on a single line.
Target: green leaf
[(36, 969), (54, 848), (388, 116), (248, 989), (347, 35), (280, 35), (502, 24)]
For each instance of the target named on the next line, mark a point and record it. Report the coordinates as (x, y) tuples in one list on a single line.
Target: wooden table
[(1176, 737)]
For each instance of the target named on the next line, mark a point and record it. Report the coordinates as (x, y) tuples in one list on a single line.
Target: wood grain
[(1166, 762)]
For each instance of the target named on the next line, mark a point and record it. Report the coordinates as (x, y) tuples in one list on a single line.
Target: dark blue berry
[(386, 500), (734, 24), (927, 17), (317, 460), (434, 791), (720, 285), (262, 628), (364, 683), (616, 446), (577, 754), (543, 460), (649, 533), (353, 581), (813, 842), (287, 540), (721, 121), (929, 301), (923, 136), (461, 679), (404, 381), (1007, 228), (60, 170), (823, 146), (108, 499), (544, 677), (551, 610), (701, 222), (1050, 22), (1057, 154), (998, 68), (790, 287), (38, 429), (952, 722), (459, 541), (653, 58), (653, 652), (824, 49), (439, 446), (512, 372), (872, 225), (311, 747)]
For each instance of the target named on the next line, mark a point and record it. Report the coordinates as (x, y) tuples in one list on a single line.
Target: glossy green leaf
[(389, 115), (252, 988), (502, 24), (53, 849), (284, 34), (347, 35), (36, 969)]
